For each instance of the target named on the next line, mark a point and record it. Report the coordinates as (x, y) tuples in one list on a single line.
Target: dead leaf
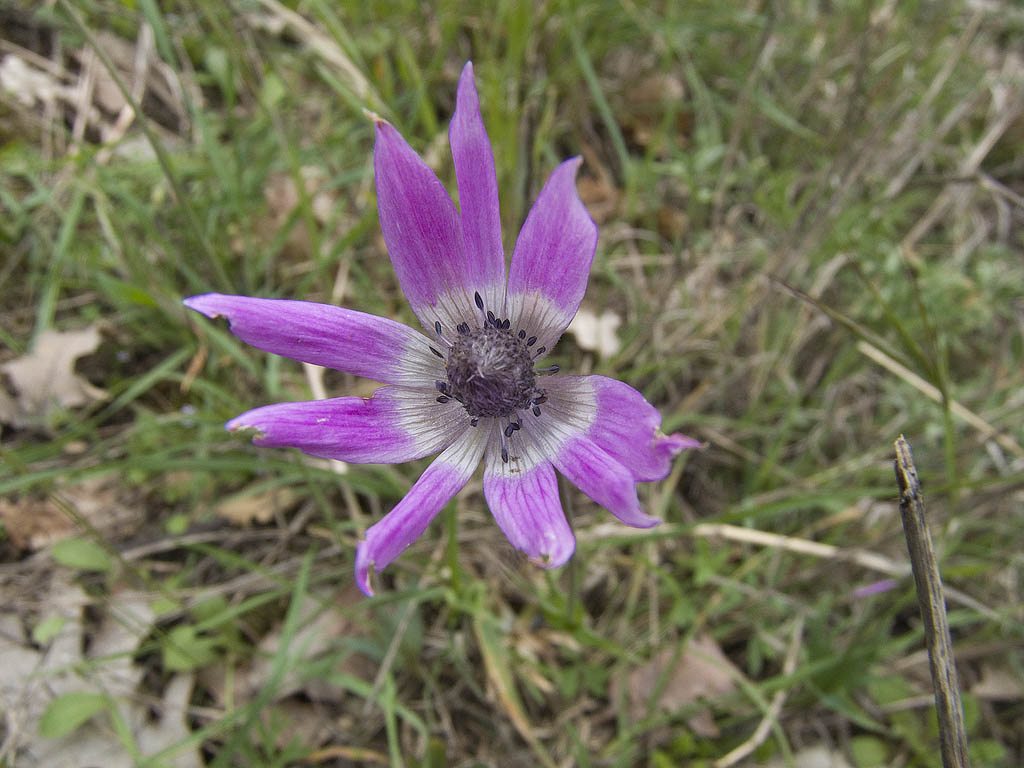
[(318, 634), (596, 333), (701, 671), (44, 380), (600, 195), (673, 222), (818, 756), (646, 103), (36, 523), (31, 679), (998, 685), (256, 507), (281, 195), (643, 95)]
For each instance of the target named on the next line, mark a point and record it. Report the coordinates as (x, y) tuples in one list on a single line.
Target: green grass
[(768, 172)]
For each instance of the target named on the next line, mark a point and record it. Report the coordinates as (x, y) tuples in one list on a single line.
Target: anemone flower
[(469, 387)]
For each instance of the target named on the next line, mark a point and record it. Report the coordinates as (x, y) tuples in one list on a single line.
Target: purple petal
[(423, 234), (603, 479), (343, 339), (877, 588), (552, 258), (478, 193), (627, 428), (388, 538), (395, 425), (526, 507)]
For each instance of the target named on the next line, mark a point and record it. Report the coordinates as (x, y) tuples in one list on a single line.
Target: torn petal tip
[(363, 564), (201, 304)]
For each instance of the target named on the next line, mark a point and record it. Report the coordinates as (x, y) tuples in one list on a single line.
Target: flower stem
[(452, 555), (574, 586)]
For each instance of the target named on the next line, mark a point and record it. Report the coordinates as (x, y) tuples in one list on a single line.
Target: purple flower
[(469, 387)]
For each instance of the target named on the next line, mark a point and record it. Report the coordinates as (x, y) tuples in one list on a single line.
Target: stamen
[(510, 429), (436, 353), (504, 448), (522, 335), (506, 324), (441, 386), (531, 341), (536, 410), (437, 328), (540, 351), (463, 328), (479, 301), (443, 399), (490, 319), (549, 369), (474, 422)]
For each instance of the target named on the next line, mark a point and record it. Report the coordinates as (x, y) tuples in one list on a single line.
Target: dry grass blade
[(864, 559), (324, 47), (968, 168), (499, 673), (933, 393), (868, 560)]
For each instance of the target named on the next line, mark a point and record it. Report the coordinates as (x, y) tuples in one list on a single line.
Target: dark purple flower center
[(490, 371)]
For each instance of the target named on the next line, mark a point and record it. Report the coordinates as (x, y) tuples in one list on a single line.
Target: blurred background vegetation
[(811, 241)]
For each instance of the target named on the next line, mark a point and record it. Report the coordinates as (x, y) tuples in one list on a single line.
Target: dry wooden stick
[(952, 734)]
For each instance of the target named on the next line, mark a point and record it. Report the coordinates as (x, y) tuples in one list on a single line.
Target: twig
[(952, 734)]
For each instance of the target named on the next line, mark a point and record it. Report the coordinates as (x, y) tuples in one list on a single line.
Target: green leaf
[(84, 554), (68, 712), (869, 752), (273, 91), (47, 629), (163, 605), (185, 649)]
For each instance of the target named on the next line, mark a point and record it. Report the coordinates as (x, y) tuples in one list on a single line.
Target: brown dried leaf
[(34, 523), (599, 195), (257, 507), (30, 679), (44, 380), (317, 636), (998, 684), (701, 671)]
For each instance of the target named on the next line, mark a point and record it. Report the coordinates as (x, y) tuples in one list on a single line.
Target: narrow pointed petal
[(322, 334), (388, 538), (552, 258), (524, 501), (423, 233), (395, 425), (480, 216), (564, 433), (603, 479), (626, 426)]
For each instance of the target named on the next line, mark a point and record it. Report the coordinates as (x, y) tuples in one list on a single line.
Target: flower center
[(490, 371)]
